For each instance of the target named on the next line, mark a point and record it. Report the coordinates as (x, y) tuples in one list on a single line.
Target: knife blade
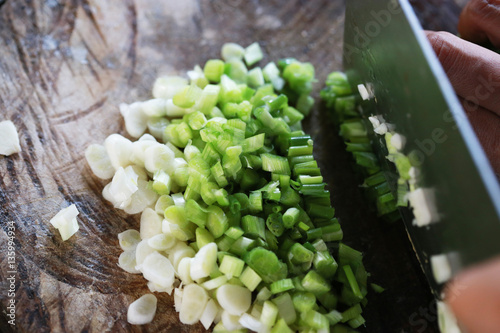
[(387, 56)]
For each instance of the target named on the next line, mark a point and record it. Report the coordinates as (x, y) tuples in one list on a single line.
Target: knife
[(388, 59)]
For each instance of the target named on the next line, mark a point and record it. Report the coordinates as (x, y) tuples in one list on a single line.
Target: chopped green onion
[(352, 281), (320, 245), (269, 314), (285, 307), (195, 213), (236, 70), (299, 254), (332, 232), (281, 327), (316, 320), (208, 99), (225, 243), (315, 283), (180, 227), (291, 217), (306, 228), (203, 237), (351, 313), (162, 183), (275, 163), (215, 283), (253, 143), (334, 317), (255, 201), (218, 173), (232, 51), (217, 222), (307, 180), (253, 54), (253, 226), (213, 70), (325, 264), (303, 301), (242, 245), (264, 294), (187, 97), (234, 232), (376, 288), (367, 160), (281, 286), (300, 150), (290, 197), (266, 264), (352, 147), (231, 266), (196, 120), (250, 278), (274, 224), (208, 191), (348, 255), (329, 300), (300, 159), (255, 77), (357, 321), (272, 74)]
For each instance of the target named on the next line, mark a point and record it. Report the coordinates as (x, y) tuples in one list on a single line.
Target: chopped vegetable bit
[(9, 140), (65, 221), (142, 310)]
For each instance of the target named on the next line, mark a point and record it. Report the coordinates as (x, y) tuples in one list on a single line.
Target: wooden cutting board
[(66, 65)]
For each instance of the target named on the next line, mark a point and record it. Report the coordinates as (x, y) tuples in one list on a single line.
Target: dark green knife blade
[(386, 50)]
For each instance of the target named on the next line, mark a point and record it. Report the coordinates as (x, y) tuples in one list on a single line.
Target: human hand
[(474, 71), (474, 297), (479, 22)]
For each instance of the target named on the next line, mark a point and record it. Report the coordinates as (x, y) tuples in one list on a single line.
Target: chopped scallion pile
[(236, 219), (341, 100)]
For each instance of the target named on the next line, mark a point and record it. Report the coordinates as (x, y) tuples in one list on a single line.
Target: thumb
[(474, 297)]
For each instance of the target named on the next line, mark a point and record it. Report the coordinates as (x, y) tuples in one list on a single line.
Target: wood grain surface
[(66, 65)]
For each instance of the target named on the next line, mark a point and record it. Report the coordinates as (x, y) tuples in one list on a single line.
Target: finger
[(486, 124), (473, 70), (474, 297), (480, 21)]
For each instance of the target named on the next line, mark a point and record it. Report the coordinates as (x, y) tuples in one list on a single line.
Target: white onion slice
[(99, 161), (150, 223), (142, 310), (158, 269), (65, 221), (9, 139), (194, 300), (129, 239), (126, 261), (158, 157), (119, 150), (154, 107), (234, 299), (230, 322), (167, 86), (204, 261), (136, 121), (209, 314)]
